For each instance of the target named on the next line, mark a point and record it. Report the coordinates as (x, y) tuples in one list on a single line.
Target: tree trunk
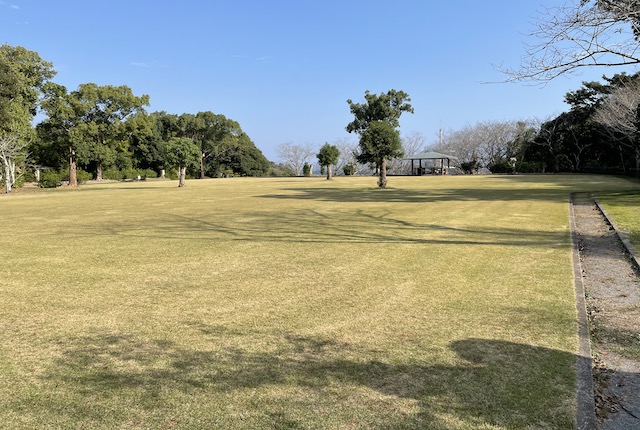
[(382, 180), (182, 173), (99, 171), (202, 165), (329, 172), (162, 174), (73, 171), (7, 178)]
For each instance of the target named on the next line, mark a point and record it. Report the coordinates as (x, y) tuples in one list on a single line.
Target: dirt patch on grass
[(612, 288)]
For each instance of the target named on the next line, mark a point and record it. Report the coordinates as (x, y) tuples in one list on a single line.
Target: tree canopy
[(23, 75)]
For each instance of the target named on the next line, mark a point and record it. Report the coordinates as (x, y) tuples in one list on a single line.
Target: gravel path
[(613, 305)]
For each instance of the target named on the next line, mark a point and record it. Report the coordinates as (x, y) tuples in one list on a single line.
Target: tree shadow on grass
[(490, 384), (310, 226)]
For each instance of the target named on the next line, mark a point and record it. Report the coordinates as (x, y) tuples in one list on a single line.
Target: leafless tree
[(579, 34), (295, 156), (486, 141), (620, 114)]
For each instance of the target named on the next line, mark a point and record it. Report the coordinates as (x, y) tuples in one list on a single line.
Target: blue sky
[(284, 68)]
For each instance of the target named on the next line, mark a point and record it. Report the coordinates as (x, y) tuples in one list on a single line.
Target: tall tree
[(216, 135), (23, 75), (328, 157), (378, 143), (100, 132), (376, 121), (182, 152), (57, 129)]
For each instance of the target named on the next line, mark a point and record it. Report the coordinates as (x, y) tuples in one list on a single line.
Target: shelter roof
[(431, 155)]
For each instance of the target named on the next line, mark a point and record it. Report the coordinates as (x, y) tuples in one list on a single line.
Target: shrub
[(83, 176), (349, 169), (112, 174), (528, 167), (501, 166), (29, 176), (149, 173), (171, 173), (131, 173), (50, 179), (469, 167), (306, 169)]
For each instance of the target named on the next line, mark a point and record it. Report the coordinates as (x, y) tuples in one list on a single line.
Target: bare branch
[(579, 34)]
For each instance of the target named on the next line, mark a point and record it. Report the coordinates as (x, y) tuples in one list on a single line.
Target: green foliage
[(112, 174), (23, 75), (182, 152), (378, 142), (131, 173), (148, 173), (306, 169), (349, 169), (376, 121), (50, 179), (500, 166), (329, 154), (246, 159), (469, 167), (379, 107), (83, 176), (528, 167), (281, 170)]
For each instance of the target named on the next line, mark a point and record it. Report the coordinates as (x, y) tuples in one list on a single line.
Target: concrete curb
[(585, 410), (623, 236)]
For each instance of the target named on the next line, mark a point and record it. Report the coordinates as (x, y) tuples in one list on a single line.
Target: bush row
[(53, 179)]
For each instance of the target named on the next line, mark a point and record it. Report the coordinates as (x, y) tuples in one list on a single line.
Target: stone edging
[(623, 236), (585, 408)]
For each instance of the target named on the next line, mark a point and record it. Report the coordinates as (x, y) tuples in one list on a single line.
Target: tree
[(145, 141), (295, 156), (23, 75), (12, 150), (328, 157), (216, 136), (378, 143), (182, 152), (247, 159), (99, 132), (57, 128), (376, 121), (620, 114), (581, 33)]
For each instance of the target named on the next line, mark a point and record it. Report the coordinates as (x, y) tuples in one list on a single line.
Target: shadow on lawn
[(492, 383), (312, 226)]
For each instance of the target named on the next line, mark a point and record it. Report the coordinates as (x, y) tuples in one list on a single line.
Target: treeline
[(105, 132), (600, 133)]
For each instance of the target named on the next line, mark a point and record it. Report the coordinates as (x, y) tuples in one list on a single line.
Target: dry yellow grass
[(444, 302)]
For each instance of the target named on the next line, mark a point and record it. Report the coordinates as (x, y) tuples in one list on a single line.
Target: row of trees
[(296, 156), (106, 127), (600, 132)]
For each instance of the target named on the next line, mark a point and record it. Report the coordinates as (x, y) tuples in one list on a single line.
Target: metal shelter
[(434, 163)]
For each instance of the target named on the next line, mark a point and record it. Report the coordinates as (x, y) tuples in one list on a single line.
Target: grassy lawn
[(624, 208), (297, 303)]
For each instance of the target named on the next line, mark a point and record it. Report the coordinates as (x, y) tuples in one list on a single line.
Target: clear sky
[(284, 68)]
